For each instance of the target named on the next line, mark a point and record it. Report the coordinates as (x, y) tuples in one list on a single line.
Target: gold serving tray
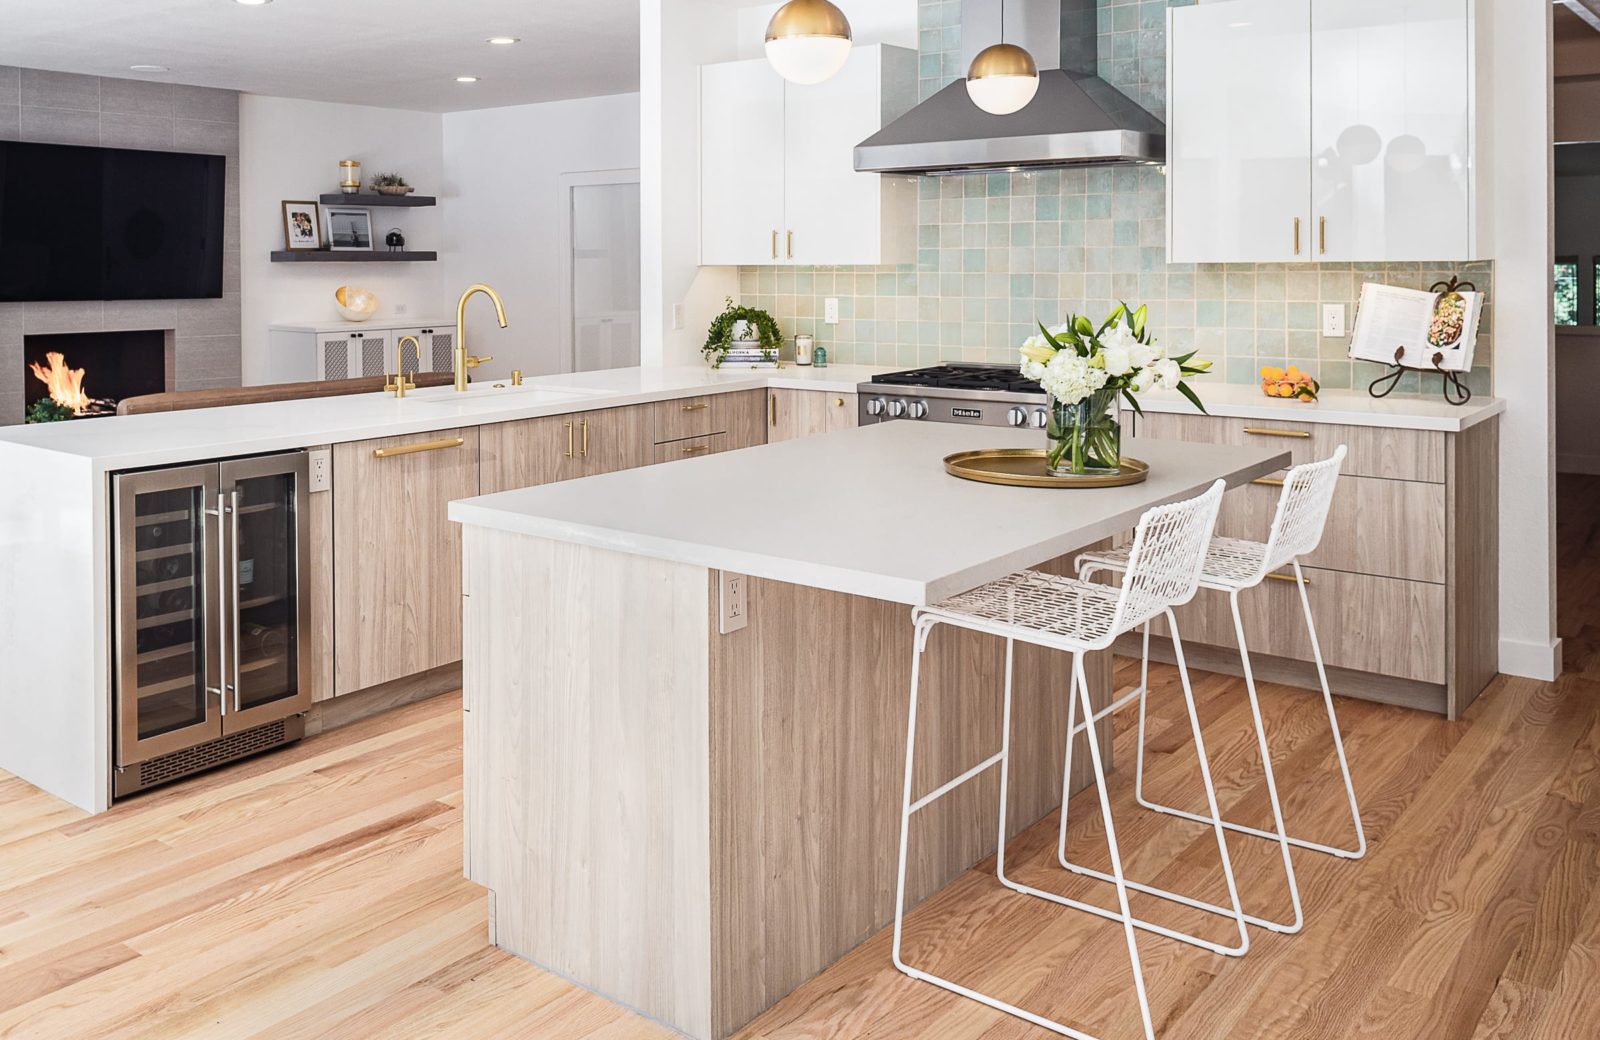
[(1024, 467)]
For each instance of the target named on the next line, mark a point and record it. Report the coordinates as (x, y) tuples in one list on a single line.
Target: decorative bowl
[(394, 189), (355, 303)]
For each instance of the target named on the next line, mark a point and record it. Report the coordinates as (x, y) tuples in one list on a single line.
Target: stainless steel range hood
[(1076, 119)]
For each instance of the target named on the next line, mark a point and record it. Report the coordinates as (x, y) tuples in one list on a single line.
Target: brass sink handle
[(401, 382), (516, 377)]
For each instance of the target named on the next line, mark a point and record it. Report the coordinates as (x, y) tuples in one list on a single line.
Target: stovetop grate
[(956, 376)]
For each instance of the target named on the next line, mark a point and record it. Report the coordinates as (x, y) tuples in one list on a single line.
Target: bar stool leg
[(1333, 724)]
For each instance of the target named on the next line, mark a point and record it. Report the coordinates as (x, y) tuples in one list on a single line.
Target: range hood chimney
[(1076, 119)]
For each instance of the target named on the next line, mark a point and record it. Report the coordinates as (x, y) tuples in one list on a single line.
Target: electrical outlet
[(830, 311), (321, 470), (400, 309), (677, 315), (1333, 319), (732, 602)]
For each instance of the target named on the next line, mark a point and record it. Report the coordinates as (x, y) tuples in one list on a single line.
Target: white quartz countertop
[(167, 438), (1339, 407), (867, 511)]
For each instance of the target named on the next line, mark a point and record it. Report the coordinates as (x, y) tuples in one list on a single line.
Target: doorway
[(600, 269)]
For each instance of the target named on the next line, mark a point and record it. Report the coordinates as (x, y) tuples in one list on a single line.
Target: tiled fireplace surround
[(63, 108)]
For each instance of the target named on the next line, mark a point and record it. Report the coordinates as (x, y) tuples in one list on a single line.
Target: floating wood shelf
[(374, 199), (343, 256)]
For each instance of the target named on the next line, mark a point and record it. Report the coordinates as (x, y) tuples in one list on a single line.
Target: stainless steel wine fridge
[(210, 630)]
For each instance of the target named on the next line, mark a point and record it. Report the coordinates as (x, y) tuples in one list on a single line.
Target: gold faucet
[(401, 384), (464, 360)]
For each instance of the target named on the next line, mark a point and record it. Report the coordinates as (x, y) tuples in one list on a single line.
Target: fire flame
[(66, 384)]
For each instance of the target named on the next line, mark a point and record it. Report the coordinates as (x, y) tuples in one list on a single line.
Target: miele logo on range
[(967, 413)]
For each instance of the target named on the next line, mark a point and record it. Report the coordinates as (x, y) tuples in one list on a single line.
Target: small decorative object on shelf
[(302, 230), (395, 240), (742, 336), (355, 303), (390, 184), (1083, 369), (819, 356), (803, 345), (1289, 382), (349, 229), (349, 176)]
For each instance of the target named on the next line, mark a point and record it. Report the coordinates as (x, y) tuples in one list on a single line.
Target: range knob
[(875, 406), (897, 408), (1017, 416), (1041, 418), (916, 409)]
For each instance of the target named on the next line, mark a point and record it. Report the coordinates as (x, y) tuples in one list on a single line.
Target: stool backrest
[(1168, 554), (1302, 510)]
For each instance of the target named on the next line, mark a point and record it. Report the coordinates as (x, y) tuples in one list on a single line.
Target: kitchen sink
[(489, 394)]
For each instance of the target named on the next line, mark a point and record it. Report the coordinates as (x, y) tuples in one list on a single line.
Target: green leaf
[(1134, 401), (1183, 388), (1083, 326), (1139, 319)]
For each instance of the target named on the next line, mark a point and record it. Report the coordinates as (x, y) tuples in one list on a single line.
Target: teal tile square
[(1047, 207), (1241, 315), (928, 236), (907, 285), (887, 285), (1021, 285), (1022, 234), (974, 211), (1097, 207), (999, 185), (1301, 315)]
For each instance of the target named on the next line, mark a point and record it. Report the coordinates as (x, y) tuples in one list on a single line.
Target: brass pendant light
[(1003, 77), (808, 41)]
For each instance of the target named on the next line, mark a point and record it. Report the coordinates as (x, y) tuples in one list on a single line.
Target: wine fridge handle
[(233, 590), (221, 689)]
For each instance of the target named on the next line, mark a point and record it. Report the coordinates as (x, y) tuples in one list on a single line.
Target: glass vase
[(1084, 438)]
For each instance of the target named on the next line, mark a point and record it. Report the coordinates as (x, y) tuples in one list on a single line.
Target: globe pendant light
[(808, 41), (1003, 78)]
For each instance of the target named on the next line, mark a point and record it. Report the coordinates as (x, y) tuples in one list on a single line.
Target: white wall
[(503, 218), (290, 149)]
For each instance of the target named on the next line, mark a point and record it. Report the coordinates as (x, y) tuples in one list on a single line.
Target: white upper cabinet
[(777, 173), (1318, 130), (1238, 130)]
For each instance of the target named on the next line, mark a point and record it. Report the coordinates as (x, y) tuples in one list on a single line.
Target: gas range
[(958, 392)]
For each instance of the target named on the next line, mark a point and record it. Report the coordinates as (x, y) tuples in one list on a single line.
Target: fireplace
[(80, 375)]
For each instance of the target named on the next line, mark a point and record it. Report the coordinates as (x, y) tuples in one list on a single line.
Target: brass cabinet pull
[(1287, 577), (1262, 431), (690, 449), (772, 402), (696, 407), (412, 449), (1296, 236), (790, 245), (1268, 482), (1322, 234), (569, 440), (774, 243), (838, 402), (585, 438)]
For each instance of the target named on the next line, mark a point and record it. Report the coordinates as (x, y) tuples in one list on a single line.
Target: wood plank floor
[(317, 892)]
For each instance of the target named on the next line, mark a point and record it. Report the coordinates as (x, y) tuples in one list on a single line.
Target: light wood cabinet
[(801, 413), (397, 556), (529, 452), (778, 181)]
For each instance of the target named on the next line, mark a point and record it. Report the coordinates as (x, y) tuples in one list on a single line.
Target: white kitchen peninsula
[(685, 690)]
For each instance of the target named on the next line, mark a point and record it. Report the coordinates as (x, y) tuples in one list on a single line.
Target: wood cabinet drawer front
[(691, 447), (1373, 451), (1367, 623), (1389, 528), (688, 417)]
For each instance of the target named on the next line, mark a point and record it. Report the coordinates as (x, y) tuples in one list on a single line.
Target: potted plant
[(1083, 368), (741, 325), (390, 184)]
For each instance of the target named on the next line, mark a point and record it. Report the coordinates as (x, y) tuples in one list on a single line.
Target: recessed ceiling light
[(148, 68), (253, 3), (504, 41), (466, 79)]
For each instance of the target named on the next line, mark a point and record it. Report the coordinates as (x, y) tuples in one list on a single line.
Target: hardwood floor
[(317, 892)]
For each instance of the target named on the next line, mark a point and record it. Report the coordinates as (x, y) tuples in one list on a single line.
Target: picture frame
[(349, 229), (302, 226)]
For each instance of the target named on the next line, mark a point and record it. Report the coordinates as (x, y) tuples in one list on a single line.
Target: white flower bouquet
[(1084, 369)]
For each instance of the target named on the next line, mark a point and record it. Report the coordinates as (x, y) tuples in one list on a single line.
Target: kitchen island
[(685, 695)]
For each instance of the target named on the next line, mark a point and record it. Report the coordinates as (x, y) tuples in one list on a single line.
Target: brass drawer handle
[(585, 437), (774, 243), (1268, 482), (690, 449), (1296, 236), (412, 449), (838, 402), (1262, 431), (1322, 234), (1288, 578), (772, 401), (790, 246), (698, 407), (569, 440)]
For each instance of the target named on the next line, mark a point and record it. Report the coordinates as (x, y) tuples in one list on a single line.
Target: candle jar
[(803, 346), (349, 176)]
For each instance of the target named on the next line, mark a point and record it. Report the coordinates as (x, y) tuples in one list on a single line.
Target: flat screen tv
[(109, 224)]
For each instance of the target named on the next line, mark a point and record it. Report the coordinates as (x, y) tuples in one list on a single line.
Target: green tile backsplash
[(999, 251)]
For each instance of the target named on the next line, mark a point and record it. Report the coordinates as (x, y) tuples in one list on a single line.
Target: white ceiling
[(391, 53)]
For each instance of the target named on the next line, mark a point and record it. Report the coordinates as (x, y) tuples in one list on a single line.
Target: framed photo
[(349, 229), (301, 227)]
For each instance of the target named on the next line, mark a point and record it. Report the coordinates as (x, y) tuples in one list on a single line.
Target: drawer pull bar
[(1288, 578), (569, 440), (690, 449), (412, 449), (1268, 482), (1263, 431), (697, 407)]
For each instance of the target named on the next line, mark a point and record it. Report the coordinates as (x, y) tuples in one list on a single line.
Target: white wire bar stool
[(1234, 565), (1078, 617)]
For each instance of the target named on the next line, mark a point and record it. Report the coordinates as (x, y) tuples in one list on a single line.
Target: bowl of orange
[(1291, 383)]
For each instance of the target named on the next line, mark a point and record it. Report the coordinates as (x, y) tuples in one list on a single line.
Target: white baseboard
[(1573, 462), (1530, 660)]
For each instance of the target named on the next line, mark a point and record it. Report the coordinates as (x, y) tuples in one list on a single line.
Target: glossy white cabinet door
[(1391, 129), (741, 163), (833, 212), (1239, 131)]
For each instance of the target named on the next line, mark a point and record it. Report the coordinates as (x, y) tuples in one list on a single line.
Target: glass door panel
[(604, 267)]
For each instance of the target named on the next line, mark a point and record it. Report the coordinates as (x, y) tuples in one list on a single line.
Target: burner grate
[(996, 378)]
